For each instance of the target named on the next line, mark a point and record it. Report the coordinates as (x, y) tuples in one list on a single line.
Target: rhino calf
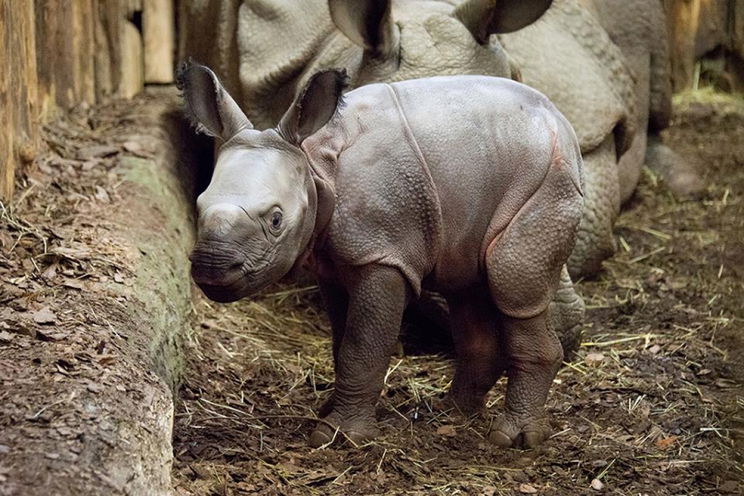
[(467, 185)]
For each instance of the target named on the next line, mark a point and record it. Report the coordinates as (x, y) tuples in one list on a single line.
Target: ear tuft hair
[(208, 104), (182, 83)]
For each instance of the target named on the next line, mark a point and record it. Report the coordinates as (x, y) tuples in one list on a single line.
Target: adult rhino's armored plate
[(467, 185)]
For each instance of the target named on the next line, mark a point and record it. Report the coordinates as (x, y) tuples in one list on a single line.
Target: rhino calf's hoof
[(509, 434), (358, 431)]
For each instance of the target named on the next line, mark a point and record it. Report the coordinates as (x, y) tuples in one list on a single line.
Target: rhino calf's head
[(258, 213)]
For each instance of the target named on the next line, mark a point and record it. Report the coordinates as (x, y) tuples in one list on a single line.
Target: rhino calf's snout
[(217, 221), (216, 260), (215, 265)]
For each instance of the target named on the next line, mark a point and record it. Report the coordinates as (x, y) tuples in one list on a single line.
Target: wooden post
[(19, 130), (159, 39)]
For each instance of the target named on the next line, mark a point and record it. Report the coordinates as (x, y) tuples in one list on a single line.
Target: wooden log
[(698, 28), (737, 29), (159, 38), (106, 55), (682, 21)]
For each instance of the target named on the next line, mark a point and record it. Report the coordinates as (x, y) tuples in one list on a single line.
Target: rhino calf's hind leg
[(479, 362), (524, 264), (377, 297), (534, 357)]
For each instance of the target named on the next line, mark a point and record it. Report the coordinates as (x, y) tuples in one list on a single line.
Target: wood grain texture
[(56, 54), (159, 38), (19, 129), (698, 27)]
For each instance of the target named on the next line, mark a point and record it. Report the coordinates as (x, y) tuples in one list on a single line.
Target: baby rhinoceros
[(467, 185)]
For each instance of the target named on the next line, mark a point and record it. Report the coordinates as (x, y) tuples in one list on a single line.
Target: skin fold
[(376, 41), (469, 186)]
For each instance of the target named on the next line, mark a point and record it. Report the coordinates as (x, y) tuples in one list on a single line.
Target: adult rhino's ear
[(210, 105), (368, 23), (314, 106), (486, 17)]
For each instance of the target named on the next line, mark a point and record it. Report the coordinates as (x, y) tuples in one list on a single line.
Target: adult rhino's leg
[(479, 363), (377, 297), (630, 165), (679, 174), (594, 241), (566, 315)]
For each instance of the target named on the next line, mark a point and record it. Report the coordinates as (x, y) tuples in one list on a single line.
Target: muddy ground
[(653, 403)]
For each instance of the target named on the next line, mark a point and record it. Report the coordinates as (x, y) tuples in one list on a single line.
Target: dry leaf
[(44, 316), (527, 489), (666, 442), (594, 358), (73, 284), (446, 430)]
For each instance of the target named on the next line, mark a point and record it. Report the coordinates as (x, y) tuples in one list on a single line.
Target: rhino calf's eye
[(276, 220)]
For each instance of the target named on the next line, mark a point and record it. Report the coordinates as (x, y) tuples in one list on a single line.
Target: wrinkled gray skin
[(605, 64), (638, 28), (416, 38), (467, 185), (602, 62)]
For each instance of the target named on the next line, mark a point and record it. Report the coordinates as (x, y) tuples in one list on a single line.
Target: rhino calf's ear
[(368, 23), (209, 104), (314, 106), (486, 17)]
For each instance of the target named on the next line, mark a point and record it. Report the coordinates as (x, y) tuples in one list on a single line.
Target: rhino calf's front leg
[(336, 302), (377, 297)]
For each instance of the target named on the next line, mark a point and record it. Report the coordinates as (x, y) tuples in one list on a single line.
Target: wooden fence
[(55, 54)]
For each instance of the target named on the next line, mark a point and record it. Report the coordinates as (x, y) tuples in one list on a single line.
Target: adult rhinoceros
[(604, 65)]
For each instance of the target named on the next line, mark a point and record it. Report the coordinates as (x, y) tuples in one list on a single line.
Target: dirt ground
[(653, 403), (82, 410)]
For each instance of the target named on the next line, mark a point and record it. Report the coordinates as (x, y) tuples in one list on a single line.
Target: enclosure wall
[(56, 54)]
